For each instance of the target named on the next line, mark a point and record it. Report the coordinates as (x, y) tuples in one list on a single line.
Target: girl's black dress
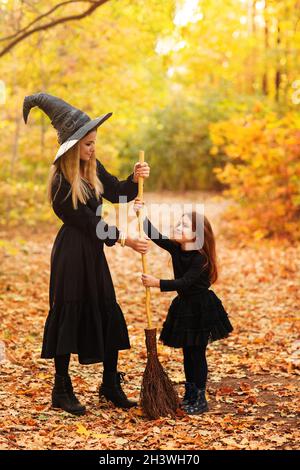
[(84, 316), (196, 315)]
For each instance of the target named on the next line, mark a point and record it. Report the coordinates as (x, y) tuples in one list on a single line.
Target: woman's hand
[(141, 169), (150, 281), (138, 204), (141, 245)]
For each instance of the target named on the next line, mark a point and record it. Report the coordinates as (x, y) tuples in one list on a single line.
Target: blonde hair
[(69, 165)]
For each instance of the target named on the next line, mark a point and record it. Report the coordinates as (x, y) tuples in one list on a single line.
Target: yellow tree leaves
[(261, 171)]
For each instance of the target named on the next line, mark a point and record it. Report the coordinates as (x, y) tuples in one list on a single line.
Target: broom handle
[(141, 232)]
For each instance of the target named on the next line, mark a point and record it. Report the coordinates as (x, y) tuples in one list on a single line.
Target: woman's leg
[(110, 362), (62, 394), (62, 364), (111, 387)]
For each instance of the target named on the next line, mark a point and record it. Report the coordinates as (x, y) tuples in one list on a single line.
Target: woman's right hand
[(141, 245)]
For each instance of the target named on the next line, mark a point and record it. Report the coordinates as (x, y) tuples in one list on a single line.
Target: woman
[(84, 316)]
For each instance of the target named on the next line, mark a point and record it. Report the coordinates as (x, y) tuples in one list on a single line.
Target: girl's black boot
[(111, 389), (188, 394), (197, 403), (63, 396)]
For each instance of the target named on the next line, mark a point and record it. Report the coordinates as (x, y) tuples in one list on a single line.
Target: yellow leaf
[(82, 430)]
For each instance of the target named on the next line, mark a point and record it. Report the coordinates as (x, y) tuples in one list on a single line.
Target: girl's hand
[(141, 169), (150, 281), (138, 204)]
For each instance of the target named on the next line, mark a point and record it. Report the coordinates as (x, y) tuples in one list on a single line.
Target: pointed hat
[(71, 123)]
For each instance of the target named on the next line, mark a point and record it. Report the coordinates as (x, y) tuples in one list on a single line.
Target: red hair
[(209, 243)]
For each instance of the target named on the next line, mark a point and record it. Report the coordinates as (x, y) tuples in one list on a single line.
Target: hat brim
[(79, 134)]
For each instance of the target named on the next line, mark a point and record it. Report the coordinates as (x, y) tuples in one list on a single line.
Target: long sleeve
[(113, 188), (187, 280), (83, 217), (161, 240)]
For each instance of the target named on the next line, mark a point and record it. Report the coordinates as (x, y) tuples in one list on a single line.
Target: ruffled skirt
[(84, 329), (195, 320)]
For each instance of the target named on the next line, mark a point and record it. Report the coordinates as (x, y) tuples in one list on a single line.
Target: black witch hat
[(71, 123)]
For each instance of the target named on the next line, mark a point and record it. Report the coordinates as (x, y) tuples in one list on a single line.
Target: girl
[(196, 315)]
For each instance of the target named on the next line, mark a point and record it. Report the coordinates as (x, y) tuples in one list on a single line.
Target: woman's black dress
[(84, 316), (196, 315)]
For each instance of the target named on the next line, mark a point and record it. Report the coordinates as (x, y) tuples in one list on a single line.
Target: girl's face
[(183, 231), (87, 146)]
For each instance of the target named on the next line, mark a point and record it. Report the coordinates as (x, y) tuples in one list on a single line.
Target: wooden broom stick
[(141, 233), (158, 396)]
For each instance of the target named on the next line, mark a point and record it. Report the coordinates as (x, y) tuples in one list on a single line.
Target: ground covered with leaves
[(253, 375)]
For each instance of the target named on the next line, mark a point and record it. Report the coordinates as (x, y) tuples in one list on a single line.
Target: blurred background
[(210, 90)]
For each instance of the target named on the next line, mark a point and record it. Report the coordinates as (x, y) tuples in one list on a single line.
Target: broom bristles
[(158, 396)]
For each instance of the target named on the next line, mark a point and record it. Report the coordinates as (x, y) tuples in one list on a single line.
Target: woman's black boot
[(63, 396), (111, 389)]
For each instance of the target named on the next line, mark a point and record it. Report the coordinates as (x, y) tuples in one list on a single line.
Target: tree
[(39, 24)]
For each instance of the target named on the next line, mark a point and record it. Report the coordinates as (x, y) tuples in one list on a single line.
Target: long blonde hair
[(69, 165)]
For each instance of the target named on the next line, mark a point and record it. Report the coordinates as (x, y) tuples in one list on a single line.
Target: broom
[(158, 397)]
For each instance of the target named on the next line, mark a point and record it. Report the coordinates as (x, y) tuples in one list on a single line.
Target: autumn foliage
[(261, 170)]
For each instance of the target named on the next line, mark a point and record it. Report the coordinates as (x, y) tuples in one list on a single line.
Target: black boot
[(197, 403), (190, 393), (111, 389), (63, 396)]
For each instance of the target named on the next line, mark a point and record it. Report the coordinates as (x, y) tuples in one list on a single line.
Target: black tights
[(110, 362), (195, 365), (62, 364)]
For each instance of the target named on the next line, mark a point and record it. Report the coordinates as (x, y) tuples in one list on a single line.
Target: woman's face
[(87, 146), (183, 231)]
